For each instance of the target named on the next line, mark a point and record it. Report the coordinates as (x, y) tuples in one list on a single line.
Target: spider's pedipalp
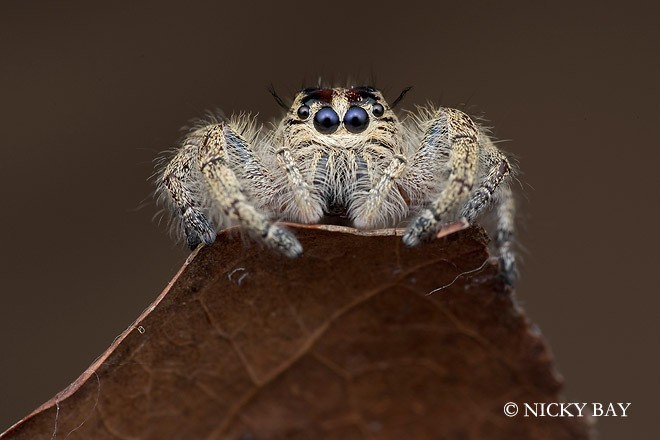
[(382, 201)]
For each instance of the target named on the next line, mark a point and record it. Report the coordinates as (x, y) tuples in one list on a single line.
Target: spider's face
[(340, 113)]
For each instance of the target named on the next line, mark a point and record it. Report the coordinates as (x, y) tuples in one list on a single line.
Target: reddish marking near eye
[(359, 93), (323, 95), (354, 95)]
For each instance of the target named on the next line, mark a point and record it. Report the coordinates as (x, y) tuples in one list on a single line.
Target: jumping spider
[(339, 151)]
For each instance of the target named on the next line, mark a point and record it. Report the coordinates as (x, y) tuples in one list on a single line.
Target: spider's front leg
[(477, 170), (452, 138), (216, 156)]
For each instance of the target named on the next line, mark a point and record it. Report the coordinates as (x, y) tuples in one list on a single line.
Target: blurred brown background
[(90, 95)]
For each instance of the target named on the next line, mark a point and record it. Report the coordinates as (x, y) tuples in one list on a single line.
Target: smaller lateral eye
[(378, 110), (303, 112)]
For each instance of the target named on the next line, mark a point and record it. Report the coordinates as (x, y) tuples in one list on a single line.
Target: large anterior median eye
[(326, 120), (356, 119)]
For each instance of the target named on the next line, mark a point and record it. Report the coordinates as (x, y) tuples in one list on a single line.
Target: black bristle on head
[(279, 101), (401, 95)]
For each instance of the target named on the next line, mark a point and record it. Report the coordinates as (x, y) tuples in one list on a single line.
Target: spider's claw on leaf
[(508, 270), (192, 241), (203, 232), (420, 229), (287, 243)]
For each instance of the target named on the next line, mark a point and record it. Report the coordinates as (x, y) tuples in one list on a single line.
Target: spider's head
[(340, 113)]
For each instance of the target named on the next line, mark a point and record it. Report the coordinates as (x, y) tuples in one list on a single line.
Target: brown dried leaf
[(344, 342)]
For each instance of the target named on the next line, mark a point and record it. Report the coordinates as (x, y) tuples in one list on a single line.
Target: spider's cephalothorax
[(339, 152)]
